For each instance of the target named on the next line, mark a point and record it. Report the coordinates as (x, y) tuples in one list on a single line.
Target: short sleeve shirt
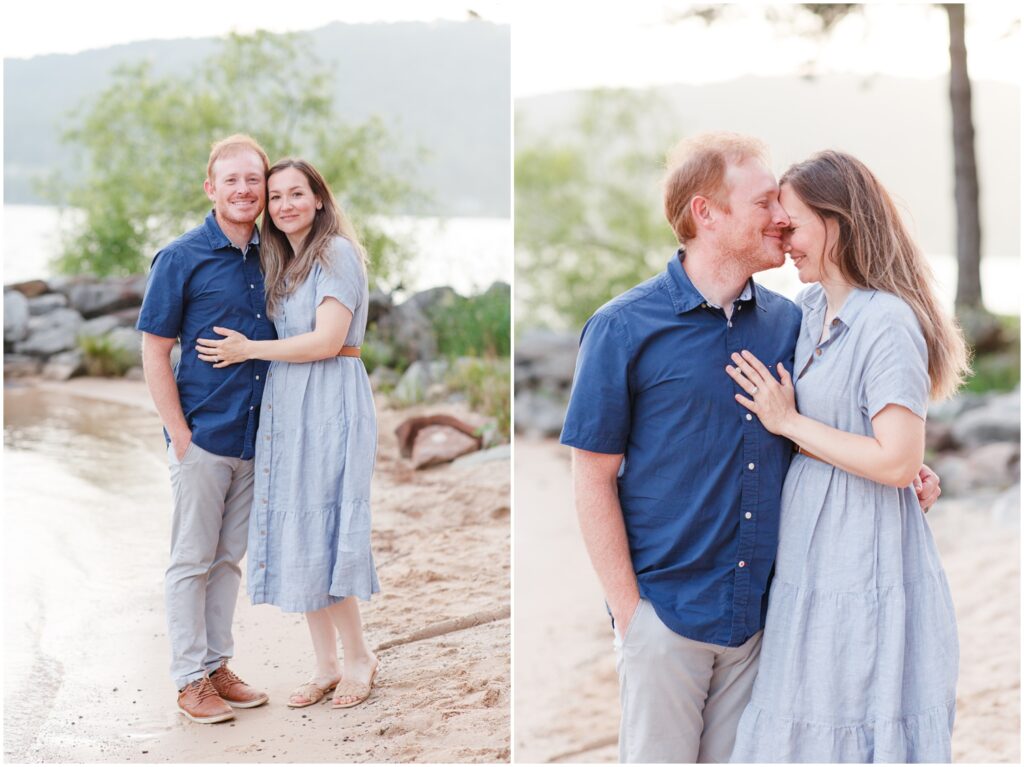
[(701, 478), (199, 281)]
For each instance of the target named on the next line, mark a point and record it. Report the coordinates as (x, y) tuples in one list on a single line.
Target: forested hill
[(442, 86)]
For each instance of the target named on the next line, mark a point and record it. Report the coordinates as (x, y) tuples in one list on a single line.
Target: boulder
[(996, 421), (384, 379), (15, 316), (51, 333), (535, 345), (21, 365), (949, 410), (441, 444), (938, 436), (46, 303), (94, 298), (428, 300), (128, 340), (29, 289), (954, 473), (135, 374), (61, 367), (379, 305), (498, 453), (409, 332), (995, 465), (98, 327), (539, 413), (417, 380)]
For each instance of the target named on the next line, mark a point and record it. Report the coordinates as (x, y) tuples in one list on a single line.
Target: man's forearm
[(156, 364), (604, 534)]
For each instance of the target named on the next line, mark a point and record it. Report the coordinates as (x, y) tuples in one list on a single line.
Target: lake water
[(467, 254)]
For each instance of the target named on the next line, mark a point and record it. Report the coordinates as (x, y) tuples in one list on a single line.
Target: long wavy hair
[(283, 269), (875, 251)]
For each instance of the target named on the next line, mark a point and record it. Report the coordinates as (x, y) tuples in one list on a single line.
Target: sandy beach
[(86, 652), (567, 708)]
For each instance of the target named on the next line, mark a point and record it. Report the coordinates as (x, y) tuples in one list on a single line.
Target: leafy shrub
[(479, 326), (488, 389), (104, 357)]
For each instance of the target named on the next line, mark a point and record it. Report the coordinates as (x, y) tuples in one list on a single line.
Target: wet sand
[(567, 708), (86, 658)]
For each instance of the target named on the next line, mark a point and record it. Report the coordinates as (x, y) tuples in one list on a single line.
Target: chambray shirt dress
[(309, 533), (860, 653)]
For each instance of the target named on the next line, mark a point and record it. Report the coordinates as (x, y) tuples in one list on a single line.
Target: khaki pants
[(681, 699), (209, 534)]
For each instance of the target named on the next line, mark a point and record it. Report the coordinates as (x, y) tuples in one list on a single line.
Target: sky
[(564, 45)]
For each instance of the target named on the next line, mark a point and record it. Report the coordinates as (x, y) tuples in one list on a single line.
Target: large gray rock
[(46, 303), (995, 465), (409, 332), (428, 300), (535, 345), (61, 367), (539, 413), (417, 380), (996, 421), (21, 365), (379, 305), (128, 340), (955, 474), (497, 453), (51, 333), (95, 298), (98, 327), (15, 316), (951, 409)]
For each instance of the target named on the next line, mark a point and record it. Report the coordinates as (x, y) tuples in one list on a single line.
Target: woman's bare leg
[(325, 648), (359, 660)]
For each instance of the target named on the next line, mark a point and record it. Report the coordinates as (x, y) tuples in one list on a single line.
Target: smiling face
[(808, 239), (753, 226), (291, 203), (236, 187)]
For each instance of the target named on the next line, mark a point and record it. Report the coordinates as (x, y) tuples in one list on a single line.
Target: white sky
[(34, 27)]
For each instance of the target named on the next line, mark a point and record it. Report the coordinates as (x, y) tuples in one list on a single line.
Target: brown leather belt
[(808, 453), (348, 351)]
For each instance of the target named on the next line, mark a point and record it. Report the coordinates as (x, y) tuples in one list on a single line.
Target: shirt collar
[(685, 295), (220, 240), (816, 302)]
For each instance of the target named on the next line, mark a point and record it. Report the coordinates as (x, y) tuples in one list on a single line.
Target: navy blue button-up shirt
[(701, 478), (198, 281)]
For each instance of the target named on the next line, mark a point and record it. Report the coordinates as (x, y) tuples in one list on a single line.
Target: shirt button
[(263, 565), (264, 500), (266, 471), (729, 323), (269, 407), (263, 532), (742, 564), (267, 438), (750, 466), (252, 407), (257, 378), (251, 285), (748, 515), (703, 306), (835, 322), (750, 417), (257, 316)]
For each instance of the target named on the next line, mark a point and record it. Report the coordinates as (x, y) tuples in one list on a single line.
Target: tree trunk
[(968, 218)]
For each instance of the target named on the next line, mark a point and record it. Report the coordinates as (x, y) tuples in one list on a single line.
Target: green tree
[(588, 216), (143, 144)]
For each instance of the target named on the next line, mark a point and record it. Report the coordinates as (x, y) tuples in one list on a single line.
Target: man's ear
[(702, 212), (208, 188)]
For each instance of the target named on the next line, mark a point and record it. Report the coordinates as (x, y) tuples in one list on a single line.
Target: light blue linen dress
[(309, 532), (860, 652)]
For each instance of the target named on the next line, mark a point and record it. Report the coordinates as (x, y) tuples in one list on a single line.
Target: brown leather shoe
[(234, 691), (200, 702)]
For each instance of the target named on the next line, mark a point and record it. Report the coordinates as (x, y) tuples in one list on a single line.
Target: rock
[(498, 287), (409, 331), (949, 410), (997, 421), (416, 381), (21, 365), (29, 289), (135, 374), (15, 316), (954, 474), (440, 444), (539, 413), (409, 429), (535, 345), (995, 465), (95, 298), (126, 318), (983, 331), (61, 367), (499, 453), (938, 436), (428, 300), (129, 340), (555, 371), (98, 327), (46, 303), (51, 333), (379, 305), (384, 379)]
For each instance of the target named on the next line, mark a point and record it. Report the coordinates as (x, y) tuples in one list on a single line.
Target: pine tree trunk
[(968, 219)]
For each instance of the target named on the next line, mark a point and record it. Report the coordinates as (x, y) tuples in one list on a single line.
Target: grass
[(488, 389), (105, 358), (998, 371), (478, 326)]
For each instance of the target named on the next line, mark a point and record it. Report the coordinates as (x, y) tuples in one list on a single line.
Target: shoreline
[(101, 518)]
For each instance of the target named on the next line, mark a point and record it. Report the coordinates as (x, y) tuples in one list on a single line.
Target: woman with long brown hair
[(309, 532), (860, 652)]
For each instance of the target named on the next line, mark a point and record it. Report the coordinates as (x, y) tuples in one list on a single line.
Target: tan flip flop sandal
[(357, 690), (312, 692)]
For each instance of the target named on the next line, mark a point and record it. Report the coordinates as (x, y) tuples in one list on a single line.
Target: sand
[(86, 652), (566, 689)]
